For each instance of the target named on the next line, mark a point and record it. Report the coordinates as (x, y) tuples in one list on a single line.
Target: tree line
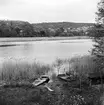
[(15, 29), (25, 29)]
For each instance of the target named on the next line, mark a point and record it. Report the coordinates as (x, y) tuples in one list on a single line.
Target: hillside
[(56, 25), (25, 29)]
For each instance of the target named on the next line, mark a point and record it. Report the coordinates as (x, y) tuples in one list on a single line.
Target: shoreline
[(25, 39)]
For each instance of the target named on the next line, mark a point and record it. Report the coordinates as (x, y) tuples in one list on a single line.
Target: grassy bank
[(63, 94)]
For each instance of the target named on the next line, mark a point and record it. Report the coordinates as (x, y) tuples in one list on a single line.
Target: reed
[(83, 64), (78, 65), (17, 71), (22, 70)]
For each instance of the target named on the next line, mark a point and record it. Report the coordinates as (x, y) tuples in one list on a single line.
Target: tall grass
[(22, 70), (83, 64), (80, 65)]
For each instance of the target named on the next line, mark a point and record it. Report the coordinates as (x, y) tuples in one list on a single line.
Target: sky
[(37, 11)]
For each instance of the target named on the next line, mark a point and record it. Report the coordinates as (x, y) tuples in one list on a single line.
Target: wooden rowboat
[(65, 77), (41, 81), (38, 82)]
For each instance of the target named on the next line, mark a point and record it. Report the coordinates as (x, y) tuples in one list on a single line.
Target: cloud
[(50, 2), (5, 2), (49, 10), (12, 2)]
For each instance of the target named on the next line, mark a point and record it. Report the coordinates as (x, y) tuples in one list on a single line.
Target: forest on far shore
[(25, 29)]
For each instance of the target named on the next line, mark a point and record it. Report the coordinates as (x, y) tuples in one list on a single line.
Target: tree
[(27, 29), (59, 31), (100, 13), (96, 31), (50, 32), (98, 50), (17, 29)]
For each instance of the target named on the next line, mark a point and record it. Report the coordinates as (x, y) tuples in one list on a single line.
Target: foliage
[(100, 12), (98, 49), (25, 29), (16, 29), (96, 31), (56, 25)]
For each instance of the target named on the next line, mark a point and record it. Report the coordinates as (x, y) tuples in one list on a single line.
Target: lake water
[(44, 51)]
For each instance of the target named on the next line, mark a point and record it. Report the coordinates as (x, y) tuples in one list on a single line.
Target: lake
[(44, 51)]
